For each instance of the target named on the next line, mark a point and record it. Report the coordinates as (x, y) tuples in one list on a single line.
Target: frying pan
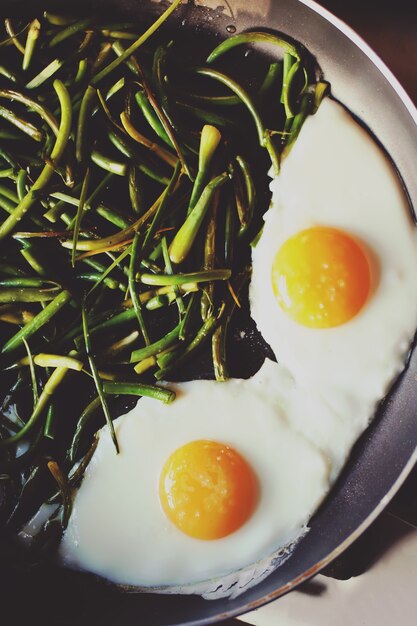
[(385, 454)]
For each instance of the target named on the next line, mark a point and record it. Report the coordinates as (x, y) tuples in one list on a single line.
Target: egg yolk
[(321, 277), (207, 489)]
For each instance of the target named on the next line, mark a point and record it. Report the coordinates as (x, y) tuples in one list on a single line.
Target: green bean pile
[(129, 196)]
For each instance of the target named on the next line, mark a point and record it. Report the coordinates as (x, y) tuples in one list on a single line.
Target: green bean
[(35, 390), (120, 345), (79, 216), (321, 90), (47, 72), (288, 62), (64, 489), (19, 294), (263, 134), (81, 140), (182, 279), (6, 156), (185, 236), (170, 272), (209, 142), (109, 269), (49, 429), (11, 270), (7, 173), (8, 193), (49, 389), (290, 92), (25, 282), (167, 357), (218, 350), (132, 288), (54, 360), (7, 205), (103, 53), (111, 216), (33, 35), (95, 277), (12, 76), (29, 489), (271, 76), (82, 423), (142, 163), (158, 346), (38, 321), (151, 117), (119, 34), (307, 102), (108, 164), (144, 365), (141, 40), (26, 127), (208, 117), (203, 334), (97, 380), (253, 37), (58, 20), (140, 389), (81, 72), (21, 185), (114, 320), (163, 110), (71, 30), (165, 155), (135, 190), (158, 302), (207, 297), (32, 104), (229, 232), (13, 35), (64, 131), (100, 187), (219, 338), (118, 238), (162, 208), (245, 199), (34, 261), (106, 109), (77, 472), (131, 62), (115, 88)]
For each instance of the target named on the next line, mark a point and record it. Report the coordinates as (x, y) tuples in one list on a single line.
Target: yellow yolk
[(207, 489), (321, 277)]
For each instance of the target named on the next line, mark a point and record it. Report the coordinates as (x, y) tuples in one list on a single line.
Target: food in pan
[(132, 199)]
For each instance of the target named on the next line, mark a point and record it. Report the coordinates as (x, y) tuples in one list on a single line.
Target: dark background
[(390, 28)]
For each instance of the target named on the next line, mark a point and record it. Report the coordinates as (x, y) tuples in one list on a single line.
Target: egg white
[(118, 529), (336, 175)]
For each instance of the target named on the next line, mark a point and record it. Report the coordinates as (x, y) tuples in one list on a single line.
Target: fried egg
[(334, 289), (202, 487)]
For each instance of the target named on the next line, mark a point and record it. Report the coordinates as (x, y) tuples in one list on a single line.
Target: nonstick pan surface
[(386, 452)]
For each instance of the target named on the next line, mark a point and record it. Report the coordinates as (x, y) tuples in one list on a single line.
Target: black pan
[(387, 451)]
